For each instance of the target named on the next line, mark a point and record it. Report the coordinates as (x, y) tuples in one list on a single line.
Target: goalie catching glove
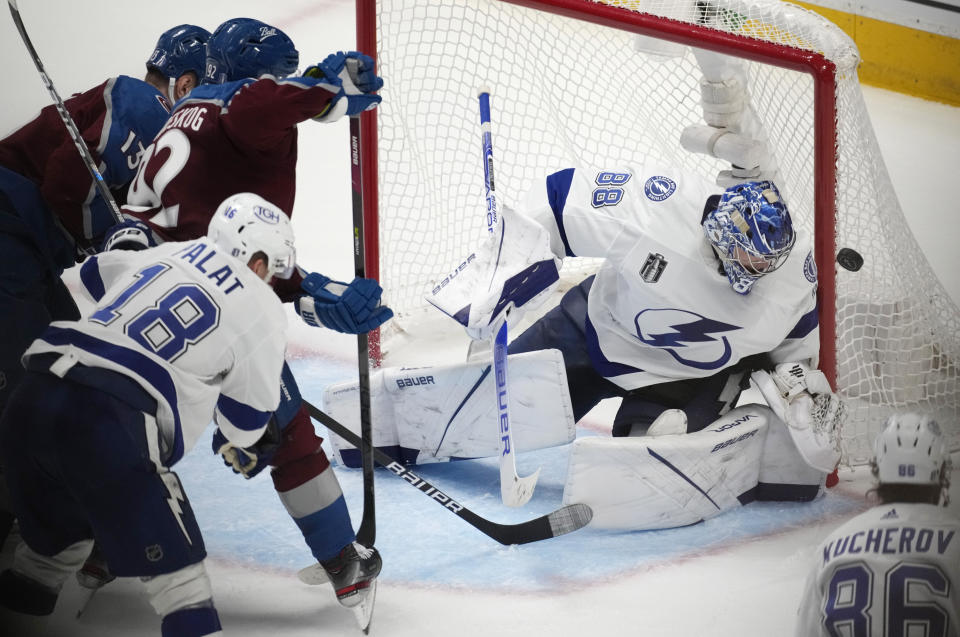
[(354, 73), (803, 399), (351, 308), (513, 271)]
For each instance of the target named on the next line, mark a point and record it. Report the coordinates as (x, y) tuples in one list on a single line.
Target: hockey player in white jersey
[(895, 569), (180, 333)]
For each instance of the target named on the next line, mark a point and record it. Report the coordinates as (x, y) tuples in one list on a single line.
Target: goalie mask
[(911, 450), (246, 223), (751, 232), (243, 48)]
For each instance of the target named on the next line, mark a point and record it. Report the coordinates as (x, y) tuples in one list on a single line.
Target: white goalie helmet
[(910, 450), (245, 224)]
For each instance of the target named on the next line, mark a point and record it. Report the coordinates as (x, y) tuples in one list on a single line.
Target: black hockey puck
[(849, 259)]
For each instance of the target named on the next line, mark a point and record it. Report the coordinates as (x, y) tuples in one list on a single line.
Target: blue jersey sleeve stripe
[(91, 279), (242, 416), (807, 323), (137, 362), (558, 187)]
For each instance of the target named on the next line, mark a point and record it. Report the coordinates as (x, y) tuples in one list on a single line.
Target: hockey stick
[(66, 118), (514, 490), (367, 533), (566, 519)]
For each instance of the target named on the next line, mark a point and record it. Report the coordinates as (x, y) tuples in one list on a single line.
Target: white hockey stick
[(514, 490)]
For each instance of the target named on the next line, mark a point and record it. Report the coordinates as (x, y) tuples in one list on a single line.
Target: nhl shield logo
[(653, 267), (154, 553)]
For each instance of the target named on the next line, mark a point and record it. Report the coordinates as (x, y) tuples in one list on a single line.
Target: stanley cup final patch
[(653, 267)]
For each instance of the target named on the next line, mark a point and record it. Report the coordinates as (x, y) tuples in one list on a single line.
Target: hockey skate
[(93, 576), (353, 574)]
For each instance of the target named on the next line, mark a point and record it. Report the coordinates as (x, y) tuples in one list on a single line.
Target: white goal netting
[(568, 92)]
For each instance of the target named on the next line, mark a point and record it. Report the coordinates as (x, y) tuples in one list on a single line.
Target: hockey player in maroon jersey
[(239, 132), (51, 215)]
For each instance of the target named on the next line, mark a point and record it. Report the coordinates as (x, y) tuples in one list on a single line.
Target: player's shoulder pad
[(221, 93), (137, 104)]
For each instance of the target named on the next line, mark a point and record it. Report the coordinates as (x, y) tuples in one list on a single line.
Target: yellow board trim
[(902, 59)]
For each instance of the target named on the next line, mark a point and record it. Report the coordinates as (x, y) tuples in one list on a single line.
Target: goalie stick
[(65, 117), (514, 490), (564, 520)]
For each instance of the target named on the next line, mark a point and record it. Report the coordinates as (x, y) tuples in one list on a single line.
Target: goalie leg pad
[(784, 474), (450, 411), (668, 481)]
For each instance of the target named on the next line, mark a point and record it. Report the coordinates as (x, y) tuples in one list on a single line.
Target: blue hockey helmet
[(180, 49), (751, 232), (244, 47)]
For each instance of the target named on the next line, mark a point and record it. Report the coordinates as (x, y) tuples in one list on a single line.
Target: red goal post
[(888, 338)]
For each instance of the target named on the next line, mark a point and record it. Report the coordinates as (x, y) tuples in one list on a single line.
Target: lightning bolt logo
[(701, 339), (176, 497)]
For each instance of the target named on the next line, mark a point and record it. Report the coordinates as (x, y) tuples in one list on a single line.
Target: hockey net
[(577, 83)]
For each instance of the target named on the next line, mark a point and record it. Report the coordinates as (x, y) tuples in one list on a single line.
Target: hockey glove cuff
[(128, 235)]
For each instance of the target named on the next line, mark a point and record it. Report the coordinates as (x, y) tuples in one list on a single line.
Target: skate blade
[(313, 575), (86, 594), (363, 612)]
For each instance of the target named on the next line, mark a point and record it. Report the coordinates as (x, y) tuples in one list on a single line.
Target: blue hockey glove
[(249, 461), (128, 235), (360, 70), (355, 75), (352, 308)]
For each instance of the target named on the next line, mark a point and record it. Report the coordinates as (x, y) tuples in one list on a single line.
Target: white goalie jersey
[(197, 329), (661, 308)]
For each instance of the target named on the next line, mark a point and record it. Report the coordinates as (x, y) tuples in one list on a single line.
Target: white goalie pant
[(450, 411), (660, 482)]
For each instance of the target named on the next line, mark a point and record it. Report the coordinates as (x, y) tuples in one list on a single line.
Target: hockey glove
[(352, 308), (514, 270), (355, 75), (803, 399), (249, 461), (723, 102), (128, 235)]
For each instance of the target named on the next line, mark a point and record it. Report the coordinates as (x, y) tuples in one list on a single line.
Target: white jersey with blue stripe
[(196, 328), (893, 570), (660, 308)]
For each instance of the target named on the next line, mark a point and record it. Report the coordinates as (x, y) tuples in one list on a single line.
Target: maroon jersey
[(116, 119), (221, 140)]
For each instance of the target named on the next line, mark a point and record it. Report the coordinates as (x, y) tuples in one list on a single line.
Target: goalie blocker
[(444, 412)]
